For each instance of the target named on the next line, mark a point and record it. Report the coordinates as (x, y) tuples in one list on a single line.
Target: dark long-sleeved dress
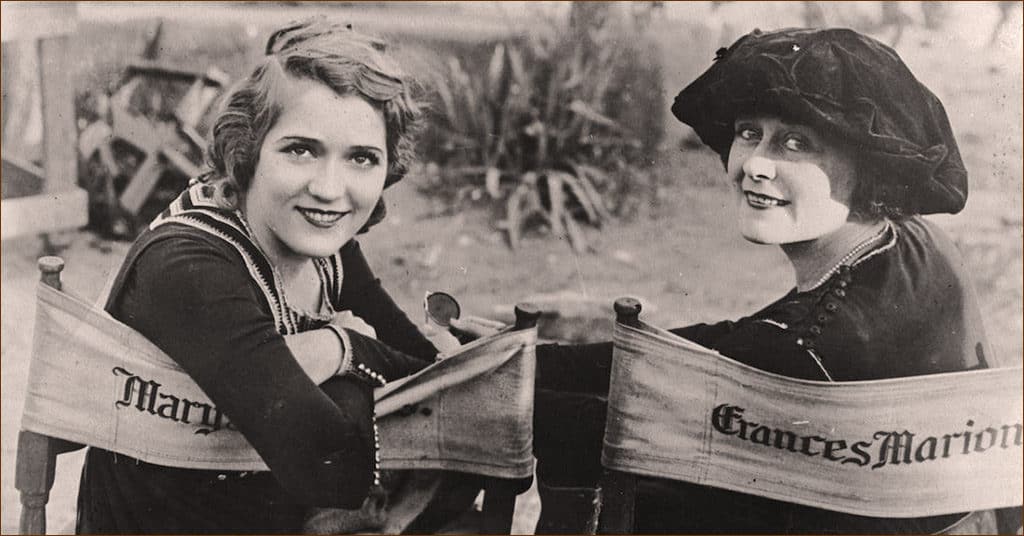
[(214, 308), (904, 309)]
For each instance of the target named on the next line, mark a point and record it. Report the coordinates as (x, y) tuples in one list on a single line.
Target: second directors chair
[(679, 411)]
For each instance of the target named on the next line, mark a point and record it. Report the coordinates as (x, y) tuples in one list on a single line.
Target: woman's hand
[(346, 319), (445, 342), (460, 331), (470, 327)]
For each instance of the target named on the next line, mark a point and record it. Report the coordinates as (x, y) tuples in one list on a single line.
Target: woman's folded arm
[(195, 301)]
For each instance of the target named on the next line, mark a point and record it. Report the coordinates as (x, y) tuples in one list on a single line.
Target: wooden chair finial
[(627, 311), (49, 270), (526, 315)]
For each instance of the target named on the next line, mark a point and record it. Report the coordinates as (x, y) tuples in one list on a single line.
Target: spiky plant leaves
[(556, 209), (519, 77), (514, 214), (544, 114), (523, 203), (583, 109), (576, 237), (444, 91), (497, 87), (586, 175), (582, 197)]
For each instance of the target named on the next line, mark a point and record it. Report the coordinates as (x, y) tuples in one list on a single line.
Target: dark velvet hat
[(849, 86)]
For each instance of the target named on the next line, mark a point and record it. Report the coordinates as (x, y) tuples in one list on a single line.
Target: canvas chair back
[(895, 448), (94, 381)]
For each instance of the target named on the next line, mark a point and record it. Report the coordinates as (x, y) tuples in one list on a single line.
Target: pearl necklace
[(852, 255)]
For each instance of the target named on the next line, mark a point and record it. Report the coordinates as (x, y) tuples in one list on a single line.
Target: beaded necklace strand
[(852, 255)]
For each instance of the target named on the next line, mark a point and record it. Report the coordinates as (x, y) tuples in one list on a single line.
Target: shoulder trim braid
[(198, 208), (775, 323), (271, 293), (331, 273), (881, 249), (231, 229)]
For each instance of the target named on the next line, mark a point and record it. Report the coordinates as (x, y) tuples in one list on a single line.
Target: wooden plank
[(181, 162), (60, 158), (142, 183), (43, 213), (160, 69), (147, 135), (22, 124), (37, 20), (20, 177)]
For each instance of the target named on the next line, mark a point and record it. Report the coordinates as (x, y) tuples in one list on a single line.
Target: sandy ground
[(683, 257)]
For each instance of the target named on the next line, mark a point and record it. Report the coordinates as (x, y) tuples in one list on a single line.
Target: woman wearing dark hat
[(834, 150)]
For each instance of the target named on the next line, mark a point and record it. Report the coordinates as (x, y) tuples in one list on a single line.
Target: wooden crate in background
[(59, 203)]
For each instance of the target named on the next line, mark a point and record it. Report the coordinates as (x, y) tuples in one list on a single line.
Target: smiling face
[(792, 183), (321, 171)]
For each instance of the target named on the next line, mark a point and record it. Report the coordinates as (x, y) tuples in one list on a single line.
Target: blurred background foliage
[(551, 128), (549, 125), (552, 116), (672, 239)]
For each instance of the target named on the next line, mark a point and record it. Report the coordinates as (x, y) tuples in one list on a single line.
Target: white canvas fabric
[(907, 447), (96, 381)]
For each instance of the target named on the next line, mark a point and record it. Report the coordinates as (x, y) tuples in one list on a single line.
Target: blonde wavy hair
[(325, 51)]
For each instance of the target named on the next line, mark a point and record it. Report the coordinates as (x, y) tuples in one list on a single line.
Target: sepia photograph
[(512, 267)]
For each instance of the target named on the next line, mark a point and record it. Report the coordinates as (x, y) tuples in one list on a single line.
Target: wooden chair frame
[(618, 488), (164, 143), (500, 493), (37, 454), (61, 204)]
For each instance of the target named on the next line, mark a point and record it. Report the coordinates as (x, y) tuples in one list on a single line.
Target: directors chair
[(679, 411), (471, 412)]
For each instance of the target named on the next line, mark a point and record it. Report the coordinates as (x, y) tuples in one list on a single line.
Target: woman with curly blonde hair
[(253, 283)]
